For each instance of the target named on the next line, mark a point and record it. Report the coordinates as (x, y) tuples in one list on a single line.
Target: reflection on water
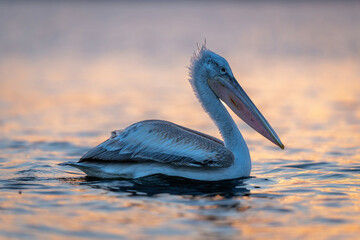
[(158, 184), (72, 72)]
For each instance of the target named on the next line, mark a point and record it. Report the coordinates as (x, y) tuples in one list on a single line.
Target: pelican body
[(160, 147)]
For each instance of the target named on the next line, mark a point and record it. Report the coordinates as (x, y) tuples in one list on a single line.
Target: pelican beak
[(230, 92)]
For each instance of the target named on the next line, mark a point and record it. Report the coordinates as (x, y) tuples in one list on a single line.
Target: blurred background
[(72, 71), (79, 66)]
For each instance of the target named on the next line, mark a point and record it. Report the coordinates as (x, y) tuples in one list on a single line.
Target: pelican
[(160, 147)]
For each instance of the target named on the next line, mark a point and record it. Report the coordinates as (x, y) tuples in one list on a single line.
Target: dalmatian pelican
[(160, 147)]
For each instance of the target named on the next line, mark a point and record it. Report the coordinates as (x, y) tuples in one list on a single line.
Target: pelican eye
[(223, 70)]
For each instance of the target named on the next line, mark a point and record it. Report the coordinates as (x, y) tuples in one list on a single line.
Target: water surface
[(72, 72)]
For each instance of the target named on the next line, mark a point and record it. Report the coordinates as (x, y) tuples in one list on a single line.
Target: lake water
[(71, 72)]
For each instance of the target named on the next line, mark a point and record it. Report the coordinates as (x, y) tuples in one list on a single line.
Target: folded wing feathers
[(164, 142)]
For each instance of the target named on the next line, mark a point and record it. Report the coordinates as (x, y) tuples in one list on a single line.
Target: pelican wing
[(163, 142)]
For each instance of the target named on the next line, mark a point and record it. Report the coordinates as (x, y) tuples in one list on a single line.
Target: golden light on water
[(66, 83)]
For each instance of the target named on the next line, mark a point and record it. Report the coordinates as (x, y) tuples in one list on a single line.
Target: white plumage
[(163, 142), (160, 147)]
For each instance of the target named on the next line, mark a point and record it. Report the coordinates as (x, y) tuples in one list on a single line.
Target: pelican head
[(215, 72)]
